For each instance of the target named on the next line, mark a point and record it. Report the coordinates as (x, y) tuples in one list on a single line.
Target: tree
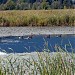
[(65, 4), (10, 5), (23, 6), (45, 5), (36, 6), (56, 5), (2, 7)]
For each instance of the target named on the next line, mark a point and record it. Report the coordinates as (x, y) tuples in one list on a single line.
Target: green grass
[(61, 17), (42, 63)]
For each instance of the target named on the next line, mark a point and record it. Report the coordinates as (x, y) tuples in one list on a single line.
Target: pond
[(32, 43)]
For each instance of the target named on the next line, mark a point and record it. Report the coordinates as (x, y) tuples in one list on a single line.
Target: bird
[(59, 35), (30, 36), (47, 36), (19, 37)]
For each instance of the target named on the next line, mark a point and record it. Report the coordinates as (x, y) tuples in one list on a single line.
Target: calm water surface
[(20, 44)]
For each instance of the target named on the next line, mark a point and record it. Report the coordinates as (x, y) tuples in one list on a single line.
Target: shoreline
[(23, 31)]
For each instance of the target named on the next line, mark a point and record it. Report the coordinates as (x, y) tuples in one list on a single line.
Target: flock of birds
[(26, 38), (31, 36)]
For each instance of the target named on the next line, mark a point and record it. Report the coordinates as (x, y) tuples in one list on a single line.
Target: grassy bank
[(64, 17), (39, 64)]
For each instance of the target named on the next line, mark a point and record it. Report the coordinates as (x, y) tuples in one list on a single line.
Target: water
[(20, 44)]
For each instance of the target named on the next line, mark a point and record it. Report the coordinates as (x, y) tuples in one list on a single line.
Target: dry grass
[(46, 62), (41, 64), (62, 17)]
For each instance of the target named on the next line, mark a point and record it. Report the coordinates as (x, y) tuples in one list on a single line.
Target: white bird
[(19, 37)]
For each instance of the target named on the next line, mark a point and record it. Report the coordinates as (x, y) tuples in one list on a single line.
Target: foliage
[(10, 5), (45, 5), (56, 5), (35, 4)]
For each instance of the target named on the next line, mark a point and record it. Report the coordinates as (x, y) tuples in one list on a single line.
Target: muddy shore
[(22, 31)]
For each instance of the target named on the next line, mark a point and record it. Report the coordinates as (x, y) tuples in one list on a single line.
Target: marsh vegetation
[(61, 17), (44, 63)]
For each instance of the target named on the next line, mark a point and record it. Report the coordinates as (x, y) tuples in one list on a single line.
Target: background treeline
[(36, 4)]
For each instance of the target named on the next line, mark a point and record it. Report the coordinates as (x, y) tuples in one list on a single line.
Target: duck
[(47, 36), (30, 36), (59, 35), (19, 37)]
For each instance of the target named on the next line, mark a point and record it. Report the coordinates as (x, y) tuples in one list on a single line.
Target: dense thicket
[(36, 4)]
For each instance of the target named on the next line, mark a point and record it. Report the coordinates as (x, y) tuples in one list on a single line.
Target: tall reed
[(39, 63), (64, 17)]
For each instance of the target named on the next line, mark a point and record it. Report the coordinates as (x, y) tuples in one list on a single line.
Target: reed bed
[(38, 63), (61, 17)]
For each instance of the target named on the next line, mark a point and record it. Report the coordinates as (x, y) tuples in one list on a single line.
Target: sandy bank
[(22, 31)]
